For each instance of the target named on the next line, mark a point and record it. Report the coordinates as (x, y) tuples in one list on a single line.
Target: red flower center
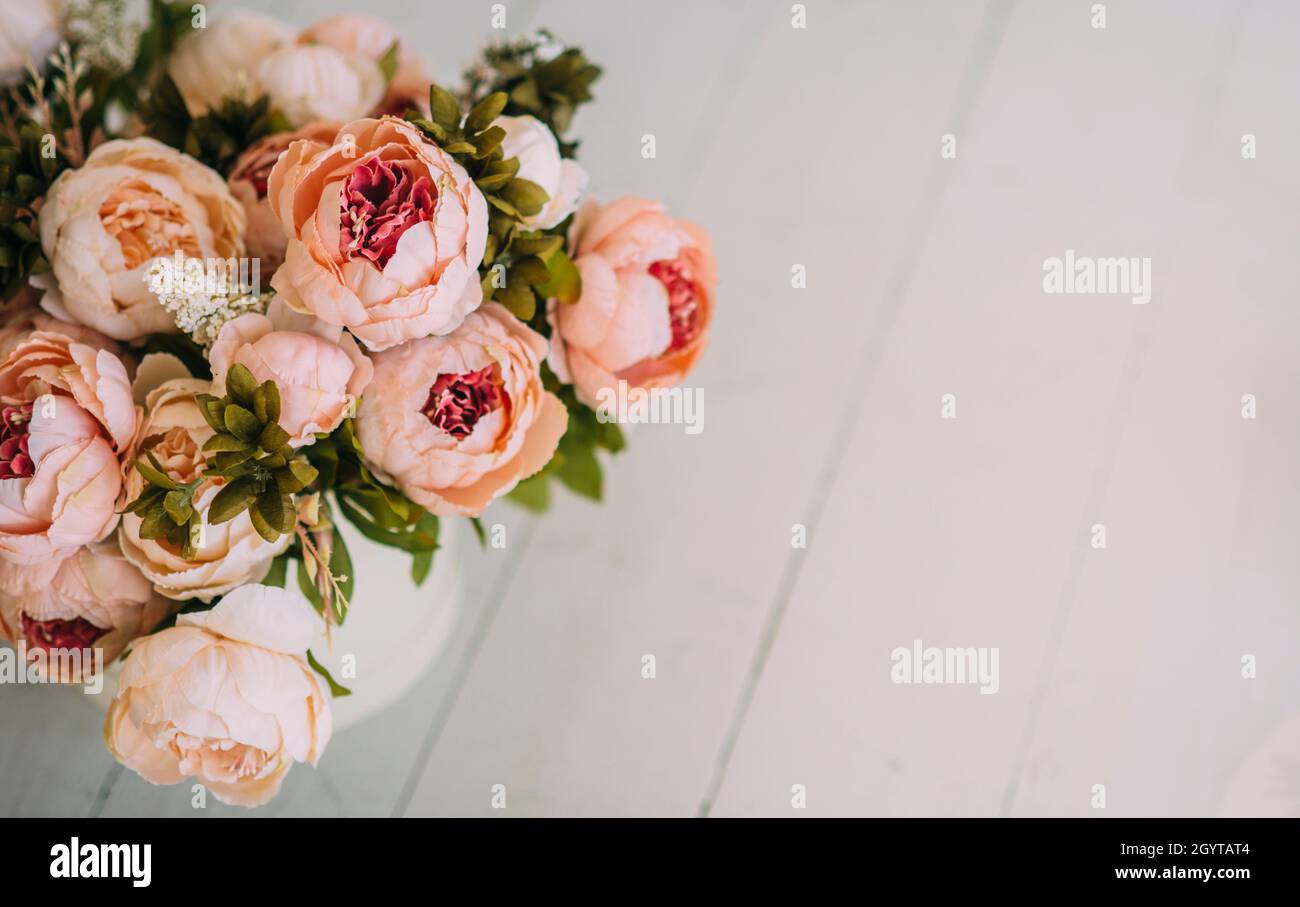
[(457, 402), (380, 202), (683, 301), (77, 633), (15, 421)]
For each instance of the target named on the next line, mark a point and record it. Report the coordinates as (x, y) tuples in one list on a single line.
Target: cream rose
[(386, 233), (222, 59), (313, 82), (320, 371), (89, 599), (229, 554), (528, 139), (29, 32), (458, 421), (371, 38), (104, 223), (226, 697)]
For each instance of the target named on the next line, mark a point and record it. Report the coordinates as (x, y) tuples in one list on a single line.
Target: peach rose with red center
[(90, 598), (385, 233), (643, 317), (66, 419), (458, 421)]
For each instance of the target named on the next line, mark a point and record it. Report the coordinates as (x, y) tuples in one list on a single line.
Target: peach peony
[(91, 598), (265, 238), (221, 59), (371, 38), (319, 372), (647, 299), (105, 222), (457, 421), (226, 697), (386, 233), (229, 554), (66, 418)]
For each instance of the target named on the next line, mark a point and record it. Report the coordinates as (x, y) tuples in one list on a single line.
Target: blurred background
[(821, 146)]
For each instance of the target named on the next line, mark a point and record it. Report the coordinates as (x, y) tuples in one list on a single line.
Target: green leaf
[(341, 568), (178, 506), (479, 531), (242, 423), (294, 477), (279, 569), (443, 108), (580, 471), (269, 514), (565, 283), (153, 473), (336, 689), (532, 494), (272, 401), (486, 111), (232, 500), (519, 299), (525, 196), (241, 385), (225, 443), (308, 588), (531, 270), (272, 438), (213, 409), (389, 62)]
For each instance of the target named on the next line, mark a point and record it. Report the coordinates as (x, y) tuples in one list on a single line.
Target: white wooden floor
[(1119, 667)]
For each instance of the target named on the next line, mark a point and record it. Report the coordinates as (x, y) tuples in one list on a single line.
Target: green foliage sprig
[(249, 450), (218, 136), (519, 265), (537, 83), (379, 512), (25, 175)]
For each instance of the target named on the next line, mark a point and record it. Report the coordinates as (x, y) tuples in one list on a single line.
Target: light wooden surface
[(820, 147)]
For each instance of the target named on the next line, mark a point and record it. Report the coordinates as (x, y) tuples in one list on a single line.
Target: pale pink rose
[(225, 697), (307, 82), (221, 59), (229, 554), (371, 38), (457, 421), (29, 33), (89, 599), (534, 146), (320, 375), (265, 238), (386, 233), (66, 418), (103, 224), (648, 284)]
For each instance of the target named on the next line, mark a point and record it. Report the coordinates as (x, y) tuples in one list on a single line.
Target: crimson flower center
[(683, 301), (457, 402), (77, 633), (15, 423), (380, 202)]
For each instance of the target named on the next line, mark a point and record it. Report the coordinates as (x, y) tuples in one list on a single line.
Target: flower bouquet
[(443, 321)]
